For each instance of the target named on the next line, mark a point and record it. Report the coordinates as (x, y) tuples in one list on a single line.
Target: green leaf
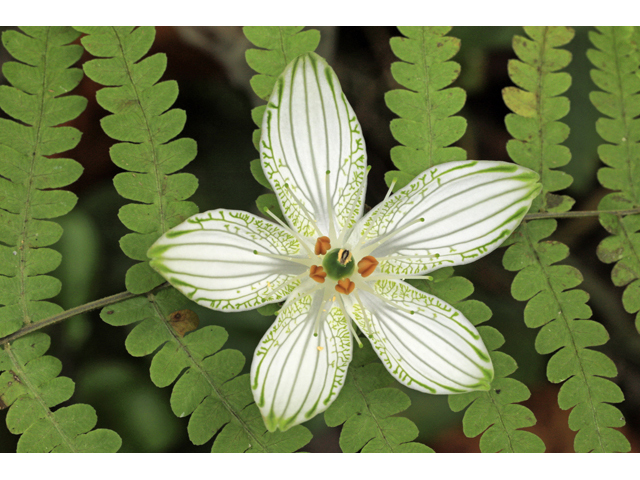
[(30, 385), (281, 45), (365, 406), (617, 61), (208, 387), (141, 117), (38, 99), (269, 202), (258, 174), (35, 100), (426, 126), (560, 312)]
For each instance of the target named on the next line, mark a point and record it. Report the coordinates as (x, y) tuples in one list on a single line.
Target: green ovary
[(333, 266)]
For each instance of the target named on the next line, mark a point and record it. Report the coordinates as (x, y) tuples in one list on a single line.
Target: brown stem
[(103, 302), (585, 213)]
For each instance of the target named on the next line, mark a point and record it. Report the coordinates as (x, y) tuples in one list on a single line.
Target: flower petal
[(309, 128), (467, 209), (294, 374), (210, 258), (435, 349)]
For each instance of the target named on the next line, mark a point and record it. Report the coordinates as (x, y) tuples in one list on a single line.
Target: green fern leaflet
[(617, 62), (426, 129), (208, 388), (142, 121), (29, 382), (552, 304)]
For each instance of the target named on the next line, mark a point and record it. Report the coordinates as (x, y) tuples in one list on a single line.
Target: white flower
[(336, 268)]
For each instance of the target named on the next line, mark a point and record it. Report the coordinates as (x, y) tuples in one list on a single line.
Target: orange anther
[(345, 286), (323, 245), (317, 273), (367, 265)]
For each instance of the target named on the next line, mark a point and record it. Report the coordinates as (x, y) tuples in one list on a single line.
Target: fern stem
[(584, 213), (255, 440), (72, 312), (572, 344)]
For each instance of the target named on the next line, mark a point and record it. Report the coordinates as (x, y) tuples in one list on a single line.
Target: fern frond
[(426, 126), (552, 304), (143, 122), (537, 106), (219, 401), (495, 414), (365, 406), (617, 62), (30, 383), (27, 174), (426, 129)]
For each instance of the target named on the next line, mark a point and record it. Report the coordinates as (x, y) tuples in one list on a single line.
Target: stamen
[(319, 316), (376, 216), (367, 266), (345, 286), (306, 212), (362, 285), (370, 248), (323, 245), (332, 228), (367, 323), (301, 261), (290, 231), (406, 257), (317, 273), (282, 286), (301, 290), (352, 330), (400, 276), (352, 214)]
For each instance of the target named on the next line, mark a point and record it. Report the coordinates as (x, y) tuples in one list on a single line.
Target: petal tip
[(158, 266), (484, 386), (157, 250), (271, 422)]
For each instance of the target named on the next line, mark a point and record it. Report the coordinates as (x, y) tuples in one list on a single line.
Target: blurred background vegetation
[(209, 65)]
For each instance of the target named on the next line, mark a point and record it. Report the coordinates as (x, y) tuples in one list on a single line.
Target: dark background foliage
[(209, 65)]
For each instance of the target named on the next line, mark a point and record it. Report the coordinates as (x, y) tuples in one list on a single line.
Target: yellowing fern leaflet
[(552, 304)]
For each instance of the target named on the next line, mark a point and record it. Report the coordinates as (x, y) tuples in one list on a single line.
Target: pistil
[(371, 247)]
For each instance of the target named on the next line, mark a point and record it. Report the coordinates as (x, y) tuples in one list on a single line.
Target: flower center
[(338, 264)]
